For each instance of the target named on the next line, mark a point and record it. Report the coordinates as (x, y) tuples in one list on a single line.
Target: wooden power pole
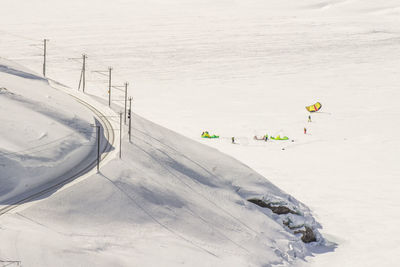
[(82, 80), (109, 86), (84, 72), (130, 118), (126, 95), (44, 56), (120, 134)]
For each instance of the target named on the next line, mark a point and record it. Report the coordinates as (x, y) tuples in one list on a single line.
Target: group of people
[(265, 137)]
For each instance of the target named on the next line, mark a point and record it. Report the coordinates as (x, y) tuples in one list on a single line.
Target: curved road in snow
[(107, 132)]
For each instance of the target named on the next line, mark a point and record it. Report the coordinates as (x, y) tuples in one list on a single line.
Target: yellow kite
[(313, 108)]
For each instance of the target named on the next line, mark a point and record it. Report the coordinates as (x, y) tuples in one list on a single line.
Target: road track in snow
[(108, 133)]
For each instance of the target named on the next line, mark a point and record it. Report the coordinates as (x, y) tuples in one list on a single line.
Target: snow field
[(246, 68), (43, 135), (163, 198)]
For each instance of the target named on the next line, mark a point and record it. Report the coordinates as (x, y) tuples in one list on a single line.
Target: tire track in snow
[(108, 132)]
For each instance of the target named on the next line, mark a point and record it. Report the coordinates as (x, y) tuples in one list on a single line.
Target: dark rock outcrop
[(308, 235), (275, 209)]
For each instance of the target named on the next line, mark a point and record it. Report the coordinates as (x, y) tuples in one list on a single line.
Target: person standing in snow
[(305, 130), (233, 139), (266, 137), (309, 118)]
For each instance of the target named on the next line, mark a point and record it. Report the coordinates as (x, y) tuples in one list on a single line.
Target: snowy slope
[(169, 200), (43, 134), (240, 68)]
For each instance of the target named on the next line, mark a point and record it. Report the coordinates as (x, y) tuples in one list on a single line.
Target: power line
[(60, 59), (103, 72), (125, 86)]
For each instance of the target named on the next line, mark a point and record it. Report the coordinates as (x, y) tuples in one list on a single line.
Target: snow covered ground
[(42, 135), (170, 199), (241, 68)]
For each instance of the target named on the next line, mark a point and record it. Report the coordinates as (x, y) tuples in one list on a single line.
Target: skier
[(309, 118), (266, 137), (233, 139), (305, 130)]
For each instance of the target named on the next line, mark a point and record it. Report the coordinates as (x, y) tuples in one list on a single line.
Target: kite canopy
[(280, 138), (210, 136), (207, 135), (313, 108)]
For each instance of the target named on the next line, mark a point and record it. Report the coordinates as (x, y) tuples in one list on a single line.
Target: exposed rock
[(308, 235), (287, 223), (275, 209)]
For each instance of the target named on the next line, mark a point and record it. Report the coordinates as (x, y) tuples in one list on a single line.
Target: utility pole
[(98, 146), (120, 134), (83, 74), (126, 94), (109, 86), (130, 118), (44, 56)]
